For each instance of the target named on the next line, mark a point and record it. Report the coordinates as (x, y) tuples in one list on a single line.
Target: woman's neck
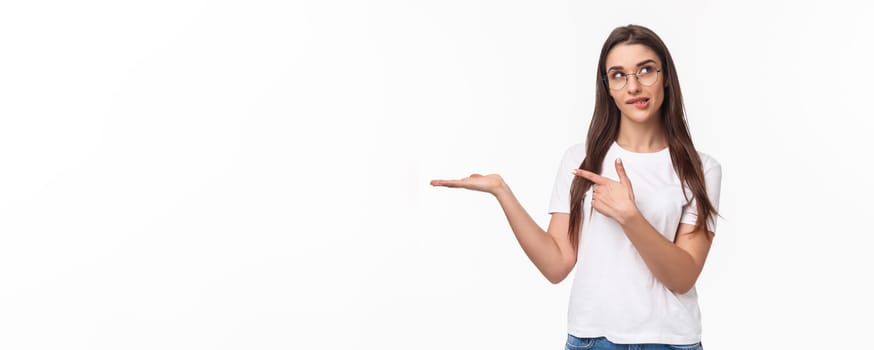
[(643, 138)]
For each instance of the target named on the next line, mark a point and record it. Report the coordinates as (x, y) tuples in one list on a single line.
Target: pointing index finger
[(588, 175)]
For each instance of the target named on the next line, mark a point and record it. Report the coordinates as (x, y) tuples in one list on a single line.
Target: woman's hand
[(612, 198), (491, 183)]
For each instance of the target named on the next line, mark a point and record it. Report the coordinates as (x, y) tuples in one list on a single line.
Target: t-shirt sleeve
[(560, 200), (712, 183)]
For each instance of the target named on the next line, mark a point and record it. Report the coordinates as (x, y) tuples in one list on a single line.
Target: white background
[(230, 175)]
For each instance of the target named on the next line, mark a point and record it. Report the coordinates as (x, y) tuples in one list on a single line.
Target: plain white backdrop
[(254, 175)]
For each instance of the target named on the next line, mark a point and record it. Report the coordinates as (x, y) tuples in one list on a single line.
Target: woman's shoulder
[(708, 162), (573, 155), (575, 152), (577, 148)]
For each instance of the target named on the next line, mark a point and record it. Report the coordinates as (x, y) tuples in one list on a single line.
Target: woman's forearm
[(670, 264)]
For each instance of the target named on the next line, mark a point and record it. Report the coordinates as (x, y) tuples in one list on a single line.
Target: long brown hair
[(604, 128)]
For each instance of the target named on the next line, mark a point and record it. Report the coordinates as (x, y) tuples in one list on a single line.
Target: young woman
[(633, 208)]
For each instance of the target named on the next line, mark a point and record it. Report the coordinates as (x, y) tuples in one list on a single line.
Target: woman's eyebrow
[(646, 61)]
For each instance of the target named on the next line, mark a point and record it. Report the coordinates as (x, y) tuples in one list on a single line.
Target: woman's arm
[(550, 251), (676, 265)]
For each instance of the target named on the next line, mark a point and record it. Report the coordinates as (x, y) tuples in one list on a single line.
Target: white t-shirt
[(614, 294)]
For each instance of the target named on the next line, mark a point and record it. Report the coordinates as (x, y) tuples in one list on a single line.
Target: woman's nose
[(633, 85)]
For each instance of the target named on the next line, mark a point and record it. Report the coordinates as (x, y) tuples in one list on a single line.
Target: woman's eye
[(645, 70), (617, 75)]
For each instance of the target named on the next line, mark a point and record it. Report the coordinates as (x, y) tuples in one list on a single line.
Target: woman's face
[(637, 102)]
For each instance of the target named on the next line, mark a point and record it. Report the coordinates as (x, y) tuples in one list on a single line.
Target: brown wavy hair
[(604, 128)]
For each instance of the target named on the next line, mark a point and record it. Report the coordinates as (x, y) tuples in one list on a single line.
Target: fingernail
[(619, 160)]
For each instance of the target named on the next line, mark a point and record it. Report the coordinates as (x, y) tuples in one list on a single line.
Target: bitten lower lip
[(641, 104)]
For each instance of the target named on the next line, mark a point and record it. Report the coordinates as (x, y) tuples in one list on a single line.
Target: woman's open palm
[(485, 183)]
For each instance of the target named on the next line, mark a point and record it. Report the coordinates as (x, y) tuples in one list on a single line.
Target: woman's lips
[(639, 103)]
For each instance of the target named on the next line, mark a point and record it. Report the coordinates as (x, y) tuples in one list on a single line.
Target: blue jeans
[(601, 343)]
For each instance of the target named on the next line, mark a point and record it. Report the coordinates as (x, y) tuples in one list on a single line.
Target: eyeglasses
[(646, 76)]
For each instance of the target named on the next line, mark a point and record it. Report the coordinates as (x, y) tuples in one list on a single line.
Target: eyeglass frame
[(607, 81)]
